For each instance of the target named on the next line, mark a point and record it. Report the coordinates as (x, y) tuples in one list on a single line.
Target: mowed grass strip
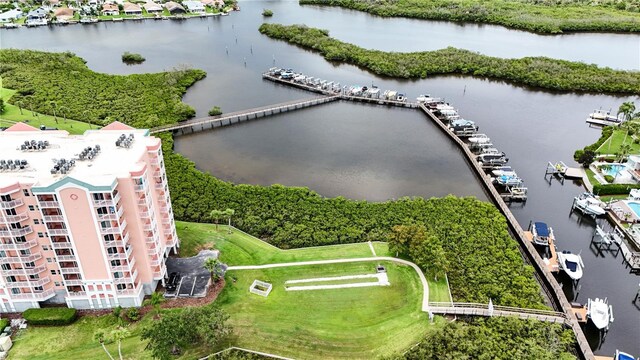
[(239, 248), (362, 323), (334, 282)]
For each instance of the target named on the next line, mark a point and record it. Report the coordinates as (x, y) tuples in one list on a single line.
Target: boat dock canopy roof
[(542, 229)]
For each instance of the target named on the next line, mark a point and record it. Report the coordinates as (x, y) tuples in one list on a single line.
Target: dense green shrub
[(214, 111), (133, 314), (495, 338), (3, 323), (267, 12), (47, 81), (614, 189), (540, 72), (50, 316), (542, 16), (131, 58), (485, 260), (609, 178)]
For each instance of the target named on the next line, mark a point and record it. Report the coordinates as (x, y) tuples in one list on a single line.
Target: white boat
[(373, 93), (401, 98), (479, 139), (502, 170), (600, 313), (441, 107), (505, 180), (423, 98), (571, 264), (604, 115), (491, 150), (390, 95), (589, 204), (10, 26), (542, 234), (623, 356)]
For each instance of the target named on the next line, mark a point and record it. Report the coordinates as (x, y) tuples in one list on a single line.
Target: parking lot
[(194, 279)]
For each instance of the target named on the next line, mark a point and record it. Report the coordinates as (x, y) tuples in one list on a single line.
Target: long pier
[(475, 309), (211, 122), (548, 283)]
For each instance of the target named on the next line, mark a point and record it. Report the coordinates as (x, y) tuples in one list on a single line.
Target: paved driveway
[(195, 278)]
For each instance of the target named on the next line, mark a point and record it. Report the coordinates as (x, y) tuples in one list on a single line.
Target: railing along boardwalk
[(212, 122), (546, 279), (475, 309)]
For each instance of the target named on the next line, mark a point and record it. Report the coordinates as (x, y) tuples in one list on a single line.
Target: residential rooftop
[(110, 162)]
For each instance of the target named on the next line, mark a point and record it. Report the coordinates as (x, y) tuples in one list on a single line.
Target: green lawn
[(592, 177), (239, 248), (335, 282), (382, 249), (13, 114), (438, 290), (615, 141), (338, 323)]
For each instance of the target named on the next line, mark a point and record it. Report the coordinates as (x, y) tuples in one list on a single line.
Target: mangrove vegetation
[(541, 72), (541, 16)]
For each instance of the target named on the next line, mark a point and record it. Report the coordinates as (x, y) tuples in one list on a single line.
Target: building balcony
[(70, 270), (26, 271), (157, 275), (37, 295), (11, 204), (107, 202), (61, 232), (73, 282), (128, 292), (114, 216), (110, 230), (126, 279), (154, 239), (20, 259), (48, 204), (16, 232), (16, 218), (76, 294), (32, 283), (19, 245), (53, 218), (66, 257), (141, 187), (120, 255), (61, 245)]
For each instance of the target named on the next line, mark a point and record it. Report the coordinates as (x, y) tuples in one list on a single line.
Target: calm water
[(370, 152)]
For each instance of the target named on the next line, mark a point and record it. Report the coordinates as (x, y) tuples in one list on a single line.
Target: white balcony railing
[(53, 218), (66, 257), (110, 230), (11, 204), (33, 283), (37, 295), (49, 204), (61, 245), (73, 282), (76, 294), (16, 218), (69, 270), (23, 231), (19, 245), (24, 271), (20, 259), (61, 232)]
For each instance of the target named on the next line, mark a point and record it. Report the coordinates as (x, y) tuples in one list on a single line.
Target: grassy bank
[(538, 72), (61, 82), (547, 17)]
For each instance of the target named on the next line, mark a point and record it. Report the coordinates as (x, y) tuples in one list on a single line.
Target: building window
[(49, 260), (121, 286), (25, 252), (3, 254), (109, 237), (32, 208), (115, 263), (118, 274), (45, 247), (26, 192), (34, 277), (57, 283), (30, 265), (112, 250), (36, 221), (40, 235), (15, 291), (38, 288), (6, 267), (53, 272), (11, 279)]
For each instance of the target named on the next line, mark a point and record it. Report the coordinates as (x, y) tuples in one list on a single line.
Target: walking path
[(425, 284), (373, 251)]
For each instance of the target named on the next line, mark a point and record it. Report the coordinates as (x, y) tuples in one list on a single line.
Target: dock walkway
[(211, 122), (475, 309)]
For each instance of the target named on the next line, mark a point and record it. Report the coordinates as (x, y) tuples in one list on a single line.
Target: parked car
[(172, 282)]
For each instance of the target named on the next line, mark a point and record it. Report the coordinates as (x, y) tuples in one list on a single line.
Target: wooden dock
[(580, 312), (475, 309), (548, 283), (552, 262), (211, 122)]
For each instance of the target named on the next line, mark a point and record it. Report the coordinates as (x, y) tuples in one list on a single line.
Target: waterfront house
[(37, 14), (152, 8), (110, 9), (195, 7), (11, 15), (213, 3), (174, 7), (132, 9), (94, 2), (63, 14)]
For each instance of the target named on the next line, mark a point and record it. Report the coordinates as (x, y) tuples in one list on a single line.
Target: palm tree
[(118, 335), (624, 150), (212, 265), (216, 215), (229, 213), (100, 337), (627, 109)]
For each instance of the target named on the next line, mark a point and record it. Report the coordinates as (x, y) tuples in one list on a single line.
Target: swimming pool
[(612, 169), (635, 206)]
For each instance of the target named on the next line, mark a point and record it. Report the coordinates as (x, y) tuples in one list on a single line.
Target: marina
[(510, 130)]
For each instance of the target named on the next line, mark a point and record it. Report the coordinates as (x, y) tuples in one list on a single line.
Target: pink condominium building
[(85, 220)]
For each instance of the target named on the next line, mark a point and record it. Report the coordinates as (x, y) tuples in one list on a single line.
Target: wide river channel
[(372, 152)]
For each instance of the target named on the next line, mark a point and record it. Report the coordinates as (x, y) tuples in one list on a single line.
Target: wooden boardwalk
[(548, 283), (475, 309), (212, 122)]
